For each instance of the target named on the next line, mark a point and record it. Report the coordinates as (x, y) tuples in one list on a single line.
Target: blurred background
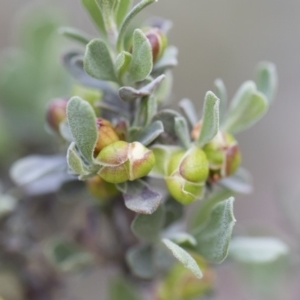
[(216, 39)]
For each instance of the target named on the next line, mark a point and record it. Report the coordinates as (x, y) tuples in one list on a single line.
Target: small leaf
[(140, 261), (188, 109), (122, 63), (174, 211), (82, 121), (221, 93), (266, 79), (167, 61), (148, 227), (247, 107), (184, 257), (164, 90), (213, 240), (122, 9), (98, 62), (141, 63), (210, 119), (258, 250), (150, 133), (74, 161), (139, 197), (183, 239), (32, 168), (95, 13), (240, 182), (182, 131), (121, 289), (75, 34)]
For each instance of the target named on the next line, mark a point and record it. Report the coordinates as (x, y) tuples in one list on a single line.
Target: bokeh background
[(225, 39)]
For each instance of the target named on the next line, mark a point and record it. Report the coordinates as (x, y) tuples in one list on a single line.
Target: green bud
[(122, 161), (186, 175), (56, 113), (223, 155), (158, 41)]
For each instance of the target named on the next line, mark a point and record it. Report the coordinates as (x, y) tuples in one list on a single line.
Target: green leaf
[(122, 63), (167, 61), (82, 121), (95, 13), (140, 261), (141, 63), (150, 133), (213, 240), (221, 93), (139, 197), (75, 163), (182, 131), (121, 289), (148, 227), (240, 182), (97, 61), (210, 119), (164, 90), (74, 34), (258, 250), (188, 109), (121, 10), (184, 257), (174, 211), (266, 79), (183, 239), (135, 10), (247, 107)]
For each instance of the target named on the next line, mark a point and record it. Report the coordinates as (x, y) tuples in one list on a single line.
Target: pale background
[(225, 38)]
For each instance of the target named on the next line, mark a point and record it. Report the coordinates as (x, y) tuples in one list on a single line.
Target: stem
[(140, 6)]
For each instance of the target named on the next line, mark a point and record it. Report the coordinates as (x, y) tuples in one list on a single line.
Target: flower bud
[(187, 173), (101, 189), (106, 135), (158, 41), (122, 161), (223, 155), (56, 113)]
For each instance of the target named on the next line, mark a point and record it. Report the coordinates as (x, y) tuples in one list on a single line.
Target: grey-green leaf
[(75, 163), (184, 257), (95, 13), (214, 238), (98, 62), (167, 61), (221, 93), (183, 239), (148, 227), (122, 63), (7, 205), (182, 132), (210, 119), (141, 63), (82, 122), (139, 197), (140, 261), (150, 133), (188, 109), (259, 250), (266, 79), (75, 34), (247, 107), (122, 9)]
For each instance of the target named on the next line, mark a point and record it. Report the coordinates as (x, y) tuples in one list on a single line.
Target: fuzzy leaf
[(122, 63), (184, 257), (141, 63), (164, 90), (210, 119), (148, 227), (221, 93), (266, 79), (95, 13), (121, 289), (183, 239), (174, 211), (74, 34), (167, 61), (122, 9), (97, 61), (213, 240), (82, 121), (150, 133), (259, 250), (74, 161), (247, 107), (188, 109), (182, 132), (139, 197), (140, 261)]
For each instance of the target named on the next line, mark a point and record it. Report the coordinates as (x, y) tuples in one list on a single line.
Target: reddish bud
[(56, 113)]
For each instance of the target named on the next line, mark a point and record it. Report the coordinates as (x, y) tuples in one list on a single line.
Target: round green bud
[(56, 113), (122, 161), (187, 173)]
